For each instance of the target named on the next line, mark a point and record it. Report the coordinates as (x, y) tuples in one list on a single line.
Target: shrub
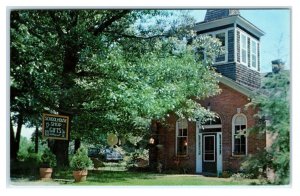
[(48, 159), (81, 161)]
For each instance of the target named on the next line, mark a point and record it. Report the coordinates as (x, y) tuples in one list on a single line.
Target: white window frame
[(213, 34), (242, 33), (225, 46), (233, 134), (251, 53), (177, 136)]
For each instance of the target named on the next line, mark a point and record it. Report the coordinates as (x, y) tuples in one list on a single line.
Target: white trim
[(212, 126), (214, 151), (239, 88), (256, 42), (213, 33), (241, 49), (199, 165), (233, 133), (257, 49), (229, 20), (219, 153), (235, 43)]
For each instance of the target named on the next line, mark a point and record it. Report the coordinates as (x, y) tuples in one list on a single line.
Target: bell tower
[(241, 40)]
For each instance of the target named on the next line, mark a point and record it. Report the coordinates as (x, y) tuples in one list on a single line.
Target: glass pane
[(184, 132), (244, 56), (240, 120), (243, 149), (253, 47), (221, 37), (209, 157), (182, 124), (209, 143), (253, 61), (243, 41), (181, 145), (243, 127)]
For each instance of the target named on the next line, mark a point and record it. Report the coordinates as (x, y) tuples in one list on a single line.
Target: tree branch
[(135, 36), (98, 29)]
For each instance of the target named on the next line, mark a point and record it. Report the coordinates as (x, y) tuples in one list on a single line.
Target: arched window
[(239, 137), (182, 137)]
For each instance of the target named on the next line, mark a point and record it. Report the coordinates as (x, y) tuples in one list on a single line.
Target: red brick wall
[(225, 104)]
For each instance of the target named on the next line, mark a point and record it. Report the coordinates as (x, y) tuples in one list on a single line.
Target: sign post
[(55, 127)]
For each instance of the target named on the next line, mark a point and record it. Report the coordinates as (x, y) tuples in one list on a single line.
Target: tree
[(274, 107), (109, 70)]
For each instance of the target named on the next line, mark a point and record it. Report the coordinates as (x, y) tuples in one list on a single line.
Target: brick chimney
[(277, 66)]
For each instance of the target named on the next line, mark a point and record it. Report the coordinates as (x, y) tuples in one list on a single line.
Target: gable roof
[(239, 88)]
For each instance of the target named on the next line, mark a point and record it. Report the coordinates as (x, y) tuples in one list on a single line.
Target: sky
[(276, 23)]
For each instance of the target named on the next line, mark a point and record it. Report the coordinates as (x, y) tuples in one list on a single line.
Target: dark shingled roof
[(215, 14)]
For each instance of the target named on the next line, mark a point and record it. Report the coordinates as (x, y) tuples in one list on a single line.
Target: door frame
[(199, 150)]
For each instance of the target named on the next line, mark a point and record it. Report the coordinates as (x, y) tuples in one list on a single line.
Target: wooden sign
[(55, 127)]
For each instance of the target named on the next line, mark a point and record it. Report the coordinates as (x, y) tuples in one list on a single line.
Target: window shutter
[(248, 51), (238, 46)]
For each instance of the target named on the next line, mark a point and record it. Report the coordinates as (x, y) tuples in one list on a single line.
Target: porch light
[(151, 140), (185, 143)]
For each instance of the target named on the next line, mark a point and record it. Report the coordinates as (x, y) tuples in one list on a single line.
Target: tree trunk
[(13, 154), (15, 138), (18, 134), (61, 150), (36, 140), (77, 145)]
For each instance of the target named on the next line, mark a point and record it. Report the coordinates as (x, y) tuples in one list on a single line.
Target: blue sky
[(276, 25)]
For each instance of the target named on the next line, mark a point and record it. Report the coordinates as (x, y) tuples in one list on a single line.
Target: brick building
[(220, 144)]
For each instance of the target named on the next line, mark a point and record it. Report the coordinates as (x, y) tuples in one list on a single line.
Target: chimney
[(277, 66)]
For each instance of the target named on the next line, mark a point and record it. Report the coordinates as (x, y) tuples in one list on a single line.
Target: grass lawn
[(126, 178)]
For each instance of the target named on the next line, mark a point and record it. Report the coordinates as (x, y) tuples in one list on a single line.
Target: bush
[(48, 159), (81, 161), (255, 166)]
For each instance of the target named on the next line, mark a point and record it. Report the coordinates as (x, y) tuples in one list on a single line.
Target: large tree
[(273, 104), (109, 70)]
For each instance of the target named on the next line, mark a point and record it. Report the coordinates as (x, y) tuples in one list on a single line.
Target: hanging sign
[(55, 126)]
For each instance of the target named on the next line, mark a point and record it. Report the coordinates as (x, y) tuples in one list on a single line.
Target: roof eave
[(230, 20), (235, 86)]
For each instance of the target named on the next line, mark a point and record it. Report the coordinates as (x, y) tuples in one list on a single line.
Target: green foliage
[(81, 161), (48, 159), (274, 106), (25, 147), (110, 70), (255, 166)]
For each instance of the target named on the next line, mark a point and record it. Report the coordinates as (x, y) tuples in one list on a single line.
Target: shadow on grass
[(105, 177)]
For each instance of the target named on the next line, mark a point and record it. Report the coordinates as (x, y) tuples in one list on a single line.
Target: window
[(243, 48), (248, 51), (221, 58), (222, 39), (182, 137), (239, 124), (253, 54)]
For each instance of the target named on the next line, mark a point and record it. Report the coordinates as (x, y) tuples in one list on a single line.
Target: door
[(209, 153)]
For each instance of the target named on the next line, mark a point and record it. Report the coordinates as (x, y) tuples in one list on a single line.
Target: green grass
[(126, 178)]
